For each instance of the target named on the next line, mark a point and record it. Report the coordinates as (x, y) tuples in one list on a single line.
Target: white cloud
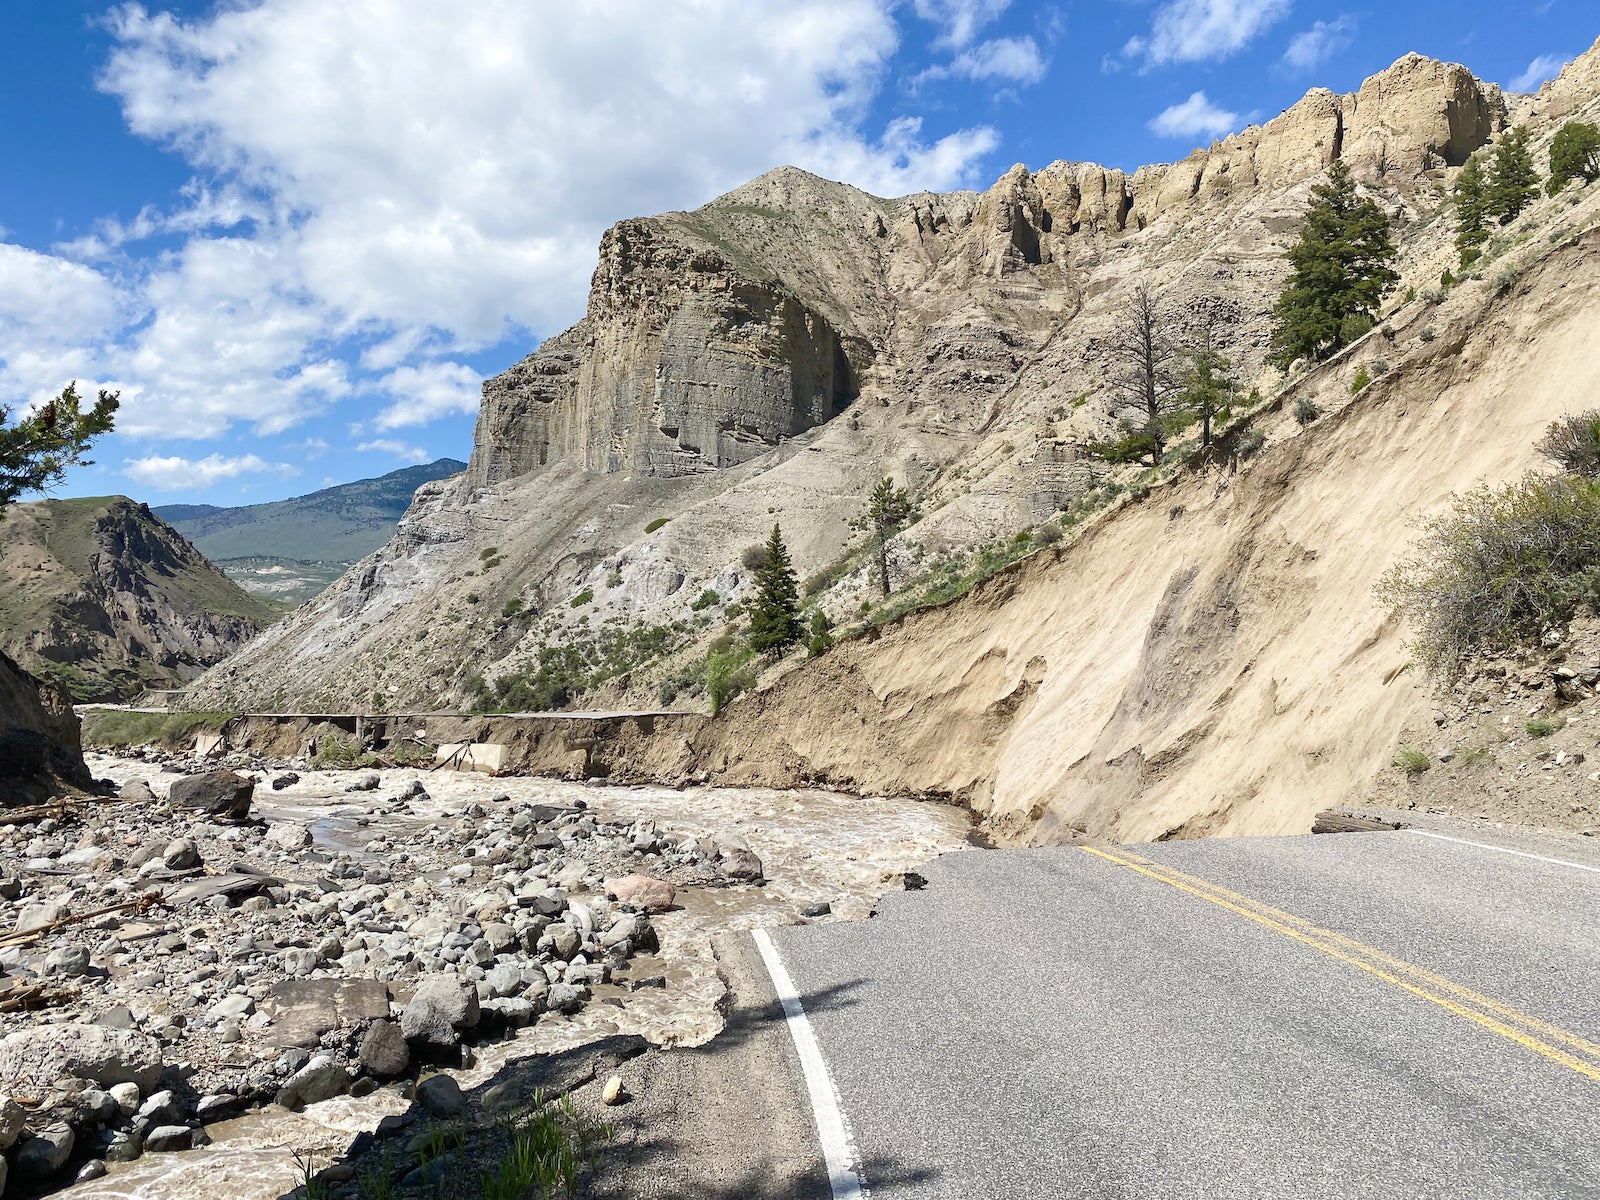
[(428, 392), (1540, 71), (175, 473), (407, 453), (380, 187), (1313, 47), (1195, 117), (960, 19), (1201, 30), (1016, 60), (54, 316)]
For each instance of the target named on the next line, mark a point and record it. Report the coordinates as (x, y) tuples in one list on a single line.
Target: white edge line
[(1560, 862), (844, 1176)]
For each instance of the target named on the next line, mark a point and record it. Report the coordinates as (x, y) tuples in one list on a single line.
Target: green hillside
[(100, 596)]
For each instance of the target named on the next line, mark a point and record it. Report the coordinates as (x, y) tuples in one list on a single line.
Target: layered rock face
[(106, 600), (40, 747), (767, 357)]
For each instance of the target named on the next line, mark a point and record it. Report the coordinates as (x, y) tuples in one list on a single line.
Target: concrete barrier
[(487, 757)]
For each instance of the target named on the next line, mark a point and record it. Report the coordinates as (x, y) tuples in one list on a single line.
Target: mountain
[(1196, 647), (292, 549), (105, 600)]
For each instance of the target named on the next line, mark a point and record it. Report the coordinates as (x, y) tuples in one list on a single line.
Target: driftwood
[(33, 995), (138, 904), (1331, 820)]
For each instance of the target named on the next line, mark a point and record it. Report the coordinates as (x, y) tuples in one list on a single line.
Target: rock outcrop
[(769, 356), (40, 750)]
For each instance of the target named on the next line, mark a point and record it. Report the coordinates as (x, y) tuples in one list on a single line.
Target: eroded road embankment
[(1399, 1014)]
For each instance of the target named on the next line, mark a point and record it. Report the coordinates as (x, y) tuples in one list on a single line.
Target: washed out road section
[(1050, 1022)]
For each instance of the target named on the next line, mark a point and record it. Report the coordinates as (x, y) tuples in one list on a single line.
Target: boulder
[(642, 891), (288, 835), (440, 1009), (11, 1118), (320, 1079), (219, 793), (566, 997), (742, 865), (165, 1139), (40, 916), (33, 1059), (67, 960), (181, 854), (440, 1096), (287, 779), (384, 1052), (136, 790), (45, 1153)]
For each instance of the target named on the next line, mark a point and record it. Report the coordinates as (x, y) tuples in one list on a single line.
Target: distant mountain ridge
[(337, 524), (292, 549)]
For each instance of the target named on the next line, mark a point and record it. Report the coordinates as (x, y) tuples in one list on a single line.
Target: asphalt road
[(1362, 1015)]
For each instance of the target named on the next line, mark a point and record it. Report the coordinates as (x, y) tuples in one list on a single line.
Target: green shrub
[(1306, 411), (1573, 444), (1410, 761), (1429, 334), (473, 597), (656, 524), (1048, 534), (1176, 511), (1543, 727), (727, 674), (489, 552), (1251, 443), (1500, 566), (582, 598), (753, 558), (1474, 756), (704, 600), (512, 607), (116, 728), (820, 638), (1362, 380)]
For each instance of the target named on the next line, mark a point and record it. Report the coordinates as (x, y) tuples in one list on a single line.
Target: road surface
[(1359, 1015)]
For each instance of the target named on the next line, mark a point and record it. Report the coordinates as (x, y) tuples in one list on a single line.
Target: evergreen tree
[(775, 614), (888, 511), (821, 639), (1341, 273), (36, 452), (1513, 181), (1207, 390), (1471, 213), (1575, 154)]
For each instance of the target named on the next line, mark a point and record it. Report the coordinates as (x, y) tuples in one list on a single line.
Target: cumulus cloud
[(380, 189), (1540, 71), (175, 473), (54, 317), (1313, 47), (402, 451), (1195, 117), (1202, 30), (427, 392), (1016, 60), (960, 20)]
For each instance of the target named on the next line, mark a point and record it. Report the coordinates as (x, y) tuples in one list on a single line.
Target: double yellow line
[(1550, 1041)]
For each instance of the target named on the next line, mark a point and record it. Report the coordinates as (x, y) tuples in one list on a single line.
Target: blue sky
[(297, 235)]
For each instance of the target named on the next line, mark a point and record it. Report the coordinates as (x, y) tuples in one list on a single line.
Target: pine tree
[(1341, 273), (775, 614), (821, 639), (1471, 230), (1575, 154), (36, 452), (1207, 390), (1513, 181), (888, 511)]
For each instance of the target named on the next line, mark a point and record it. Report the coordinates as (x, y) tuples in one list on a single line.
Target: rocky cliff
[(768, 356), (104, 599)]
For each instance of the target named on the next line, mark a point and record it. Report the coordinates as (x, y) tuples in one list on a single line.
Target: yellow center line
[(1527, 1041), (1476, 999)]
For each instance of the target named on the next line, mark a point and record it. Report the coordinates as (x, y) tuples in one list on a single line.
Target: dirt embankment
[(1212, 659)]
